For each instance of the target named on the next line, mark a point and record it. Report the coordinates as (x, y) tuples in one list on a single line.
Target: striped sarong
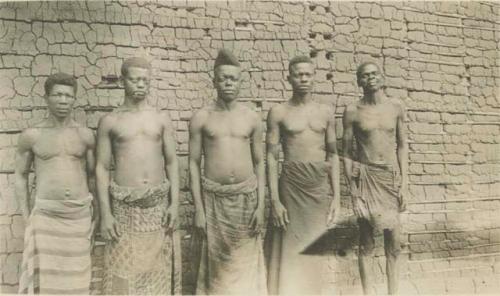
[(232, 259), (305, 192), (146, 258), (379, 188), (56, 258)]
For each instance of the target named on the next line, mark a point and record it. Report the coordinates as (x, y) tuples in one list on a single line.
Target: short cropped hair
[(135, 62), (298, 60), (362, 66), (62, 79)]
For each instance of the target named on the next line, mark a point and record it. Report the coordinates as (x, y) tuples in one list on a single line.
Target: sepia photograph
[(249, 147)]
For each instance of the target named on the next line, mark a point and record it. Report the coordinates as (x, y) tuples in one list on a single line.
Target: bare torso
[(137, 147), (374, 128), (60, 162), (303, 129), (227, 144)]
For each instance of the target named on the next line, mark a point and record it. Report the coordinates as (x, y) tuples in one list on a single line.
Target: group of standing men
[(137, 185)]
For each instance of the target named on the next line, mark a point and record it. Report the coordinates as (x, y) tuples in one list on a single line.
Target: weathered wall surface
[(440, 58)]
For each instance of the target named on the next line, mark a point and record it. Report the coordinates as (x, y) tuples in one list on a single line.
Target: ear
[(120, 82)]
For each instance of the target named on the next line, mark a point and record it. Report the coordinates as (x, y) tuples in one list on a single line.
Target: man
[(377, 187), (301, 204), (229, 199), (138, 217), (57, 240)]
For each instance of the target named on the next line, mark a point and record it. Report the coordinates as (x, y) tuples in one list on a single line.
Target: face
[(60, 100), (302, 77), (136, 83), (370, 78), (227, 82)]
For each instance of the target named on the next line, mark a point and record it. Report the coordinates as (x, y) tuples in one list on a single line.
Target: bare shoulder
[(397, 105), (28, 137), (326, 110), (86, 134), (107, 121), (247, 112), (277, 112), (200, 116), (351, 109)]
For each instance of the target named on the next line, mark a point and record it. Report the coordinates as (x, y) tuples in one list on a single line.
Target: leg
[(365, 259), (392, 247)]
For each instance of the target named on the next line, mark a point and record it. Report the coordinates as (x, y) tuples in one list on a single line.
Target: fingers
[(252, 221)]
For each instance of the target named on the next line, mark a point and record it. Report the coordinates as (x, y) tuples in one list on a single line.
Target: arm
[(280, 215), (172, 171), (402, 155), (347, 139), (333, 158), (24, 159), (109, 228), (89, 138), (195, 150), (258, 162), (90, 162)]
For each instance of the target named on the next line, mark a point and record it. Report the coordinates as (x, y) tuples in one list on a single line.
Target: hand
[(257, 221), (93, 228), (170, 217), (200, 222), (334, 212), (356, 200), (280, 214), (403, 193), (109, 228)]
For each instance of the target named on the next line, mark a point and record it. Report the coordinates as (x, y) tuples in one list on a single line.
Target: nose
[(63, 99)]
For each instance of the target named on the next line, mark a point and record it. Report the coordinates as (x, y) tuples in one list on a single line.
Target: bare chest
[(55, 143), (376, 119), (221, 126), (130, 128), (296, 122)]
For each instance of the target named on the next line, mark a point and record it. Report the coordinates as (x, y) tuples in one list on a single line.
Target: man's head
[(369, 77), (60, 94), (136, 74), (227, 76), (301, 74)]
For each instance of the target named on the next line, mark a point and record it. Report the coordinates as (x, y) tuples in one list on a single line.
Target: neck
[(223, 105), (131, 103), (374, 98), (59, 122), (301, 99)]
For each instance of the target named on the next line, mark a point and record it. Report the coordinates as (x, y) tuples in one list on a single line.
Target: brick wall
[(440, 58)]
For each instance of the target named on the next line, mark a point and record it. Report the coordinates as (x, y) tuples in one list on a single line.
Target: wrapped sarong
[(56, 257), (146, 259), (305, 192), (232, 259), (379, 188)]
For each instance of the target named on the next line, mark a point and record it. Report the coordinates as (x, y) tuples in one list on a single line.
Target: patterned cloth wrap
[(146, 258), (56, 258), (232, 259), (305, 192), (379, 188)]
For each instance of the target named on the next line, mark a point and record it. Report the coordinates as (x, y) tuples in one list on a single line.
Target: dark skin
[(376, 122), (141, 140), (229, 136), (306, 132), (61, 150)]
